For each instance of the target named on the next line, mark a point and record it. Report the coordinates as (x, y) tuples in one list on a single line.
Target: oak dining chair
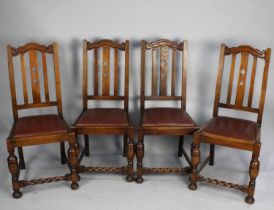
[(234, 132), (110, 83), (164, 83), (31, 81)]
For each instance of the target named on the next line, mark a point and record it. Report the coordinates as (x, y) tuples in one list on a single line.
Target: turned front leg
[(253, 173), (73, 154), (195, 160), (130, 156), (140, 156), (14, 170)]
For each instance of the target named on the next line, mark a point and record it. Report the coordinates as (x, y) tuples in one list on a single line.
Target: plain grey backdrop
[(205, 24)]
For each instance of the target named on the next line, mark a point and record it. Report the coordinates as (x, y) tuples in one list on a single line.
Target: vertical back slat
[(184, 75), (105, 72), (85, 74), (95, 72), (252, 81), (34, 76), (231, 78), (126, 74), (242, 79), (24, 78), (163, 70), (219, 80), (154, 84), (57, 78), (116, 73), (173, 80), (143, 66), (12, 83), (264, 85), (45, 71)]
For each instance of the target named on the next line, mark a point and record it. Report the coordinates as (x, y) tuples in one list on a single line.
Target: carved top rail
[(105, 43), (165, 43), (32, 46), (245, 48)]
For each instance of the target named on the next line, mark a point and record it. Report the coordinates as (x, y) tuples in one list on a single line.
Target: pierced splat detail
[(34, 70), (105, 71), (243, 72), (164, 52), (242, 79), (33, 65), (105, 64)]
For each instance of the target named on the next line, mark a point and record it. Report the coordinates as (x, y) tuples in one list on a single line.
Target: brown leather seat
[(39, 125), (103, 117), (227, 127), (167, 117)]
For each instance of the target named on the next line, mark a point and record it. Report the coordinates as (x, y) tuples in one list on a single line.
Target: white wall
[(205, 24)]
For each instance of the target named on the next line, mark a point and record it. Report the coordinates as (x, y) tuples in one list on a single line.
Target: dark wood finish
[(159, 91), (86, 145), (102, 125), (234, 138), (181, 146), (35, 134), (105, 71)]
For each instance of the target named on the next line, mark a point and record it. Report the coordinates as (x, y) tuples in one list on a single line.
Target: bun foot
[(192, 186), (74, 186), (249, 200), (139, 180), (17, 194)]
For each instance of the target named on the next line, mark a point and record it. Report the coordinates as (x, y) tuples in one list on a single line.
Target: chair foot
[(249, 200), (192, 186), (74, 186), (17, 194), (130, 178), (139, 180)]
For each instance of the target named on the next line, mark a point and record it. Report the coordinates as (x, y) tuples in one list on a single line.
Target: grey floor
[(106, 191)]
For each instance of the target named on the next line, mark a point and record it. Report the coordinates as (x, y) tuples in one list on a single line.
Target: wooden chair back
[(102, 71), (245, 52), (160, 71), (32, 78)]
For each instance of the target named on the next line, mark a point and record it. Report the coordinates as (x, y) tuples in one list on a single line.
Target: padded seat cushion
[(167, 117), (103, 117), (39, 125), (227, 127)]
